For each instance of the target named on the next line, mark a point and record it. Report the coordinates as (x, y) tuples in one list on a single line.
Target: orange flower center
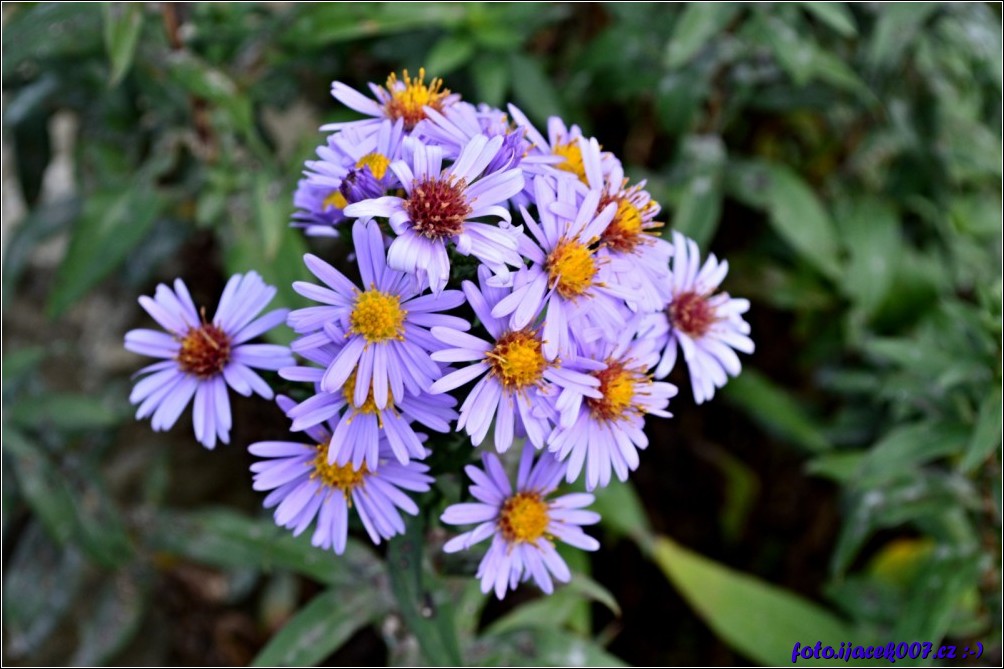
[(205, 351), (523, 518), (517, 360), (409, 102)]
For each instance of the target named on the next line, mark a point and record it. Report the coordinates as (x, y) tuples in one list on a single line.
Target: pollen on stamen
[(438, 208), (572, 153), (571, 269), (377, 316), (617, 391), (205, 351), (517, 360), (344, 478), (523, 518), (377, 162), (691, 314), (409, 102)]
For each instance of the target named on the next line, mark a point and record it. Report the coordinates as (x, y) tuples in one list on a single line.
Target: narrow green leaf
[(214, 86), (872, 237), (43, 487), (758, 620), (622, 512), (775, 409), (123, 23), (111, 224), (533, 88), (115, 613), (696, 26), (987, 434), (321, 627), (223, 538), (834, 14), (448, 54), (41, 580), (431, 621), (21, 362), (700, 205), (800, 219), (491, 78), (66, 411), (897, 25), (541, 648), (557, 609), (907, 447)]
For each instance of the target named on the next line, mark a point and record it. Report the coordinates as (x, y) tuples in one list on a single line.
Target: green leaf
[(327, 23), (21, 362), (123, 23), (758, 620), (431, 621), (548, 647), (223, 538), (871, 233), (321, 627), (800, 219), (66, 411), (696, 26), (907, 447), (533, 88), (897, 25), (834, 14), (41, 580), (114, 616), (775, 409), (449, 53), (987, 434), (215, 87), (491, 78), (557, 609), (43, 487), (622, 512), (700, 205), (112, 223)]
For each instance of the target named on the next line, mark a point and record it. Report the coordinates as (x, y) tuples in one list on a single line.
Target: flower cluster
[(518, 275)]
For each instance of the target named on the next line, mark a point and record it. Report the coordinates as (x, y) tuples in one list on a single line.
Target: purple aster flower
[(406, 100), (351, 167), (565, 274), (517, 375), (442, 204), (306, 486), (521, 523), (706, 325), (358, 437), (202, 358), (579, 156), (385, 340), (454, 127), (600, 433)]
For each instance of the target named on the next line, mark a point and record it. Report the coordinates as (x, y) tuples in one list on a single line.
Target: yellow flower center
[(627, 229), (523, 518), (338, 477), (335, 199), (617, 386), (573, 158), (205, 351), (377, 316), (377, 162), (369, 405), (570, 269), (517, 360), (409, 102)]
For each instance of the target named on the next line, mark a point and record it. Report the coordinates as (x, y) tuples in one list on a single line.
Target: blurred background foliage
[(846, 159)]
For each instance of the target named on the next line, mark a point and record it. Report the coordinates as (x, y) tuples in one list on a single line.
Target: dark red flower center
[(205, 351), (691, 314), (438, 207)]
